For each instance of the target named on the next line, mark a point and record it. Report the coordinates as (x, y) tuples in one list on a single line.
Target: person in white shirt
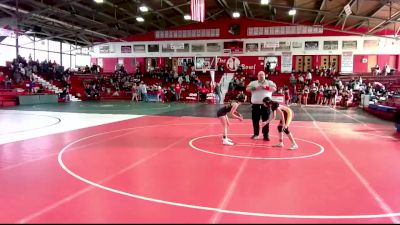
[(260, 89), (308, 77)]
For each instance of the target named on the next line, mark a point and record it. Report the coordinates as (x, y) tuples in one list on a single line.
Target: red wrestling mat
[(176, 170)]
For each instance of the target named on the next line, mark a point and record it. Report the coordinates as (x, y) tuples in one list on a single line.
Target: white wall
[(387, 46)]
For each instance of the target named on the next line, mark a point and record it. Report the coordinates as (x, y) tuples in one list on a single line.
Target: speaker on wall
[(234, 29)]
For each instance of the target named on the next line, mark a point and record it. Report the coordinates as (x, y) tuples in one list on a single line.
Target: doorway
[(303, 63)]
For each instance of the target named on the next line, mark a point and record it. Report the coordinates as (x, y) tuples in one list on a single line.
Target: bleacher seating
[(8, 97)]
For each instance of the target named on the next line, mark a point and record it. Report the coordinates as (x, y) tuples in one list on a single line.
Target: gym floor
[(123, 162)]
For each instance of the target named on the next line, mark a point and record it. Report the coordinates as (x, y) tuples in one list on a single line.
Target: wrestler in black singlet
[(224, 110)]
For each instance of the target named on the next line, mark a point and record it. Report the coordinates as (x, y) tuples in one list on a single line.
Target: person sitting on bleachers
[(203, 93), (347, 97), (65, 94)]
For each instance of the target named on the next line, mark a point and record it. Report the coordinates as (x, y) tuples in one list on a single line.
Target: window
[(65, 48), (9, 41), (40, 55), (24, 52), (41, 45), (54, 57), (26, 42), (7, 54), (66, 61), (54, 46), (73, 65)]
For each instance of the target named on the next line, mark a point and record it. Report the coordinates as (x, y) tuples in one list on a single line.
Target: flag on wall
[(197, 8)]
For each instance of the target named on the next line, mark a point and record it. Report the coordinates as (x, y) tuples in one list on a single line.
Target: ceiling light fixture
[(139, 19), (264, 2), (292, 12), (187, 17), (98, 1), (143, 8), (236, 14)]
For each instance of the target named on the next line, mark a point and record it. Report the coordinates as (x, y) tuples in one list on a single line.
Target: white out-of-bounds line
[(79, 193), (361, 122), (385, 207), (53, 154), (93, 184), (85, 190), (351, 117)]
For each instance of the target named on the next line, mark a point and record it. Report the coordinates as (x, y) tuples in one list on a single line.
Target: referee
[(260, 89)]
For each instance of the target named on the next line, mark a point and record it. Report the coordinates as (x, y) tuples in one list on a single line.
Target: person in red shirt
[(178, 90)]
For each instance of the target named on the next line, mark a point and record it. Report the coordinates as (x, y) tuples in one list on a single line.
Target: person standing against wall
[(218, 92), (260, 89)]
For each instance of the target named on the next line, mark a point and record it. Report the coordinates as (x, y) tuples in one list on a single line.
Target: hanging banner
[(347, 62), (286, 64), (212, 74)]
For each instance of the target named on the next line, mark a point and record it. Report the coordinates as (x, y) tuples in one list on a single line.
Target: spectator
[(218, 92)]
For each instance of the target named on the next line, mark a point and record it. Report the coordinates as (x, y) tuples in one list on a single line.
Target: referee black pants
[(259, 111)]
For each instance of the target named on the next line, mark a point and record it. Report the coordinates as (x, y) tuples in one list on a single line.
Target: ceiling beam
[(320, 8), (293, 17), (212, 16), (151, 11), (225, 7), (58, 22), (174, 7), (244, 8), (324, 12), (8, 12), (127, 12), (67, 15), (159, 11), (382, 24), (371, 14), (248, 9), (63, 32), (332, 29), (351, 2), (108, 17), (45, 8)]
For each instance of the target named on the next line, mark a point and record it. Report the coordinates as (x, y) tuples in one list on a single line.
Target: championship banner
[(212, 74), (286, 65), (347, 62), (198, 8)]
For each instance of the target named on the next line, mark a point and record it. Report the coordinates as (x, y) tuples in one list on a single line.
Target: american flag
[(198, 9)]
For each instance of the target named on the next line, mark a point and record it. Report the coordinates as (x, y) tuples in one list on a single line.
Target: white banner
[(286, 64), (347, 62), (178, 46), (278, 98), (212, 74), (271, 44)]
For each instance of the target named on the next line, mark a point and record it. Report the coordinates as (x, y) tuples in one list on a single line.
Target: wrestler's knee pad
[(286, 130), (280, 128)]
